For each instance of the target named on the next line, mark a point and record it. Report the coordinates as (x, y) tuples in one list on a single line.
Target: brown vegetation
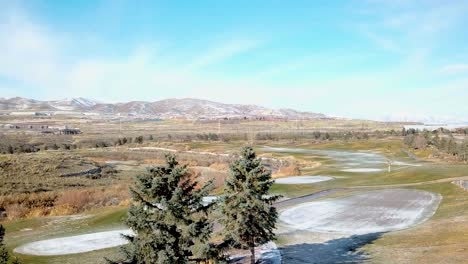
[(45, 172), (62, 203)]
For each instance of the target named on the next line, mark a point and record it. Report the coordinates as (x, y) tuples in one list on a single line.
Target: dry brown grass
[(206, 174), (43, 172), (220, 166), (437, 241), (76, 201), (291, 170), (22, 205), (63, 203)]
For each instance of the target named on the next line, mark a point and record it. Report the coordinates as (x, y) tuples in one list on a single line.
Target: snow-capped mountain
[(71, 104), (423, 118), (169, 108)]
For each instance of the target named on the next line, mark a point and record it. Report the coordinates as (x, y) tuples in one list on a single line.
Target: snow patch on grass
[(75, 244), (269, 253), (369, 212), (362, 170), (302, 179)]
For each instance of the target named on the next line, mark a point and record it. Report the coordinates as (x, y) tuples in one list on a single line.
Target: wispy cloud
[(32, 54), (409, 25), (224, 51), (28, 51), (455, 69), (358, 78), (384, 42)]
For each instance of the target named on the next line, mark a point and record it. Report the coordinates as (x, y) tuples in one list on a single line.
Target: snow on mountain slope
[(72, 104), (169, 108)]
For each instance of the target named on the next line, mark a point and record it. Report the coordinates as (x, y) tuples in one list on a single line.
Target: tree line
[(15, 147), (440, 140)]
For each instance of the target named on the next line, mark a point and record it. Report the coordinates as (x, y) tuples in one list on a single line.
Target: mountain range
[(188, 108)]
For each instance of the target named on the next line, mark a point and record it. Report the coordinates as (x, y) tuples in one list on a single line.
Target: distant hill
[(169, 108)]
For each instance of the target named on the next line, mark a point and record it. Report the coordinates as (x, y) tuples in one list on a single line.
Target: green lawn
[(29, 230)]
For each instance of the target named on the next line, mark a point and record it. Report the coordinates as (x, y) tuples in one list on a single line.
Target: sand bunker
[(74, 244), (302, 179), (369, 212)]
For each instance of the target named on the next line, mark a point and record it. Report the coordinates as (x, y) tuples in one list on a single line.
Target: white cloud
[(455, 69), (409, 26), (385, 43)]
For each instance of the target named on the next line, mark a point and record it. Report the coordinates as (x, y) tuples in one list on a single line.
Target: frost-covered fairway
[(362, 170), (368, 212), (349, 161), (302, 179), (74, 244), (267, 253)]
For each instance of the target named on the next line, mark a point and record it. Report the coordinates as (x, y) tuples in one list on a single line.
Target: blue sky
[(367, 59)]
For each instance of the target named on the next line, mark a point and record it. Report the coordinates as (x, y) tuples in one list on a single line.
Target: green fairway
[(425, 176), (29, 230)]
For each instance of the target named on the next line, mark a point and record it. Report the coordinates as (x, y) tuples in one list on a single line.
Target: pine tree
[(248, 216), (168, 217), (443, 144), (452, 147), (464, 151), (10, 149), (436, 140), (4, 256)]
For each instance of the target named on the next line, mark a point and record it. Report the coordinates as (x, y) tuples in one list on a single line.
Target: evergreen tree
[(139, 140), (464, 150), (436, 140), (408, 140), (452, 147), (443, 144), (247, 212), (168, 217), (10, 149), (4, 256)]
